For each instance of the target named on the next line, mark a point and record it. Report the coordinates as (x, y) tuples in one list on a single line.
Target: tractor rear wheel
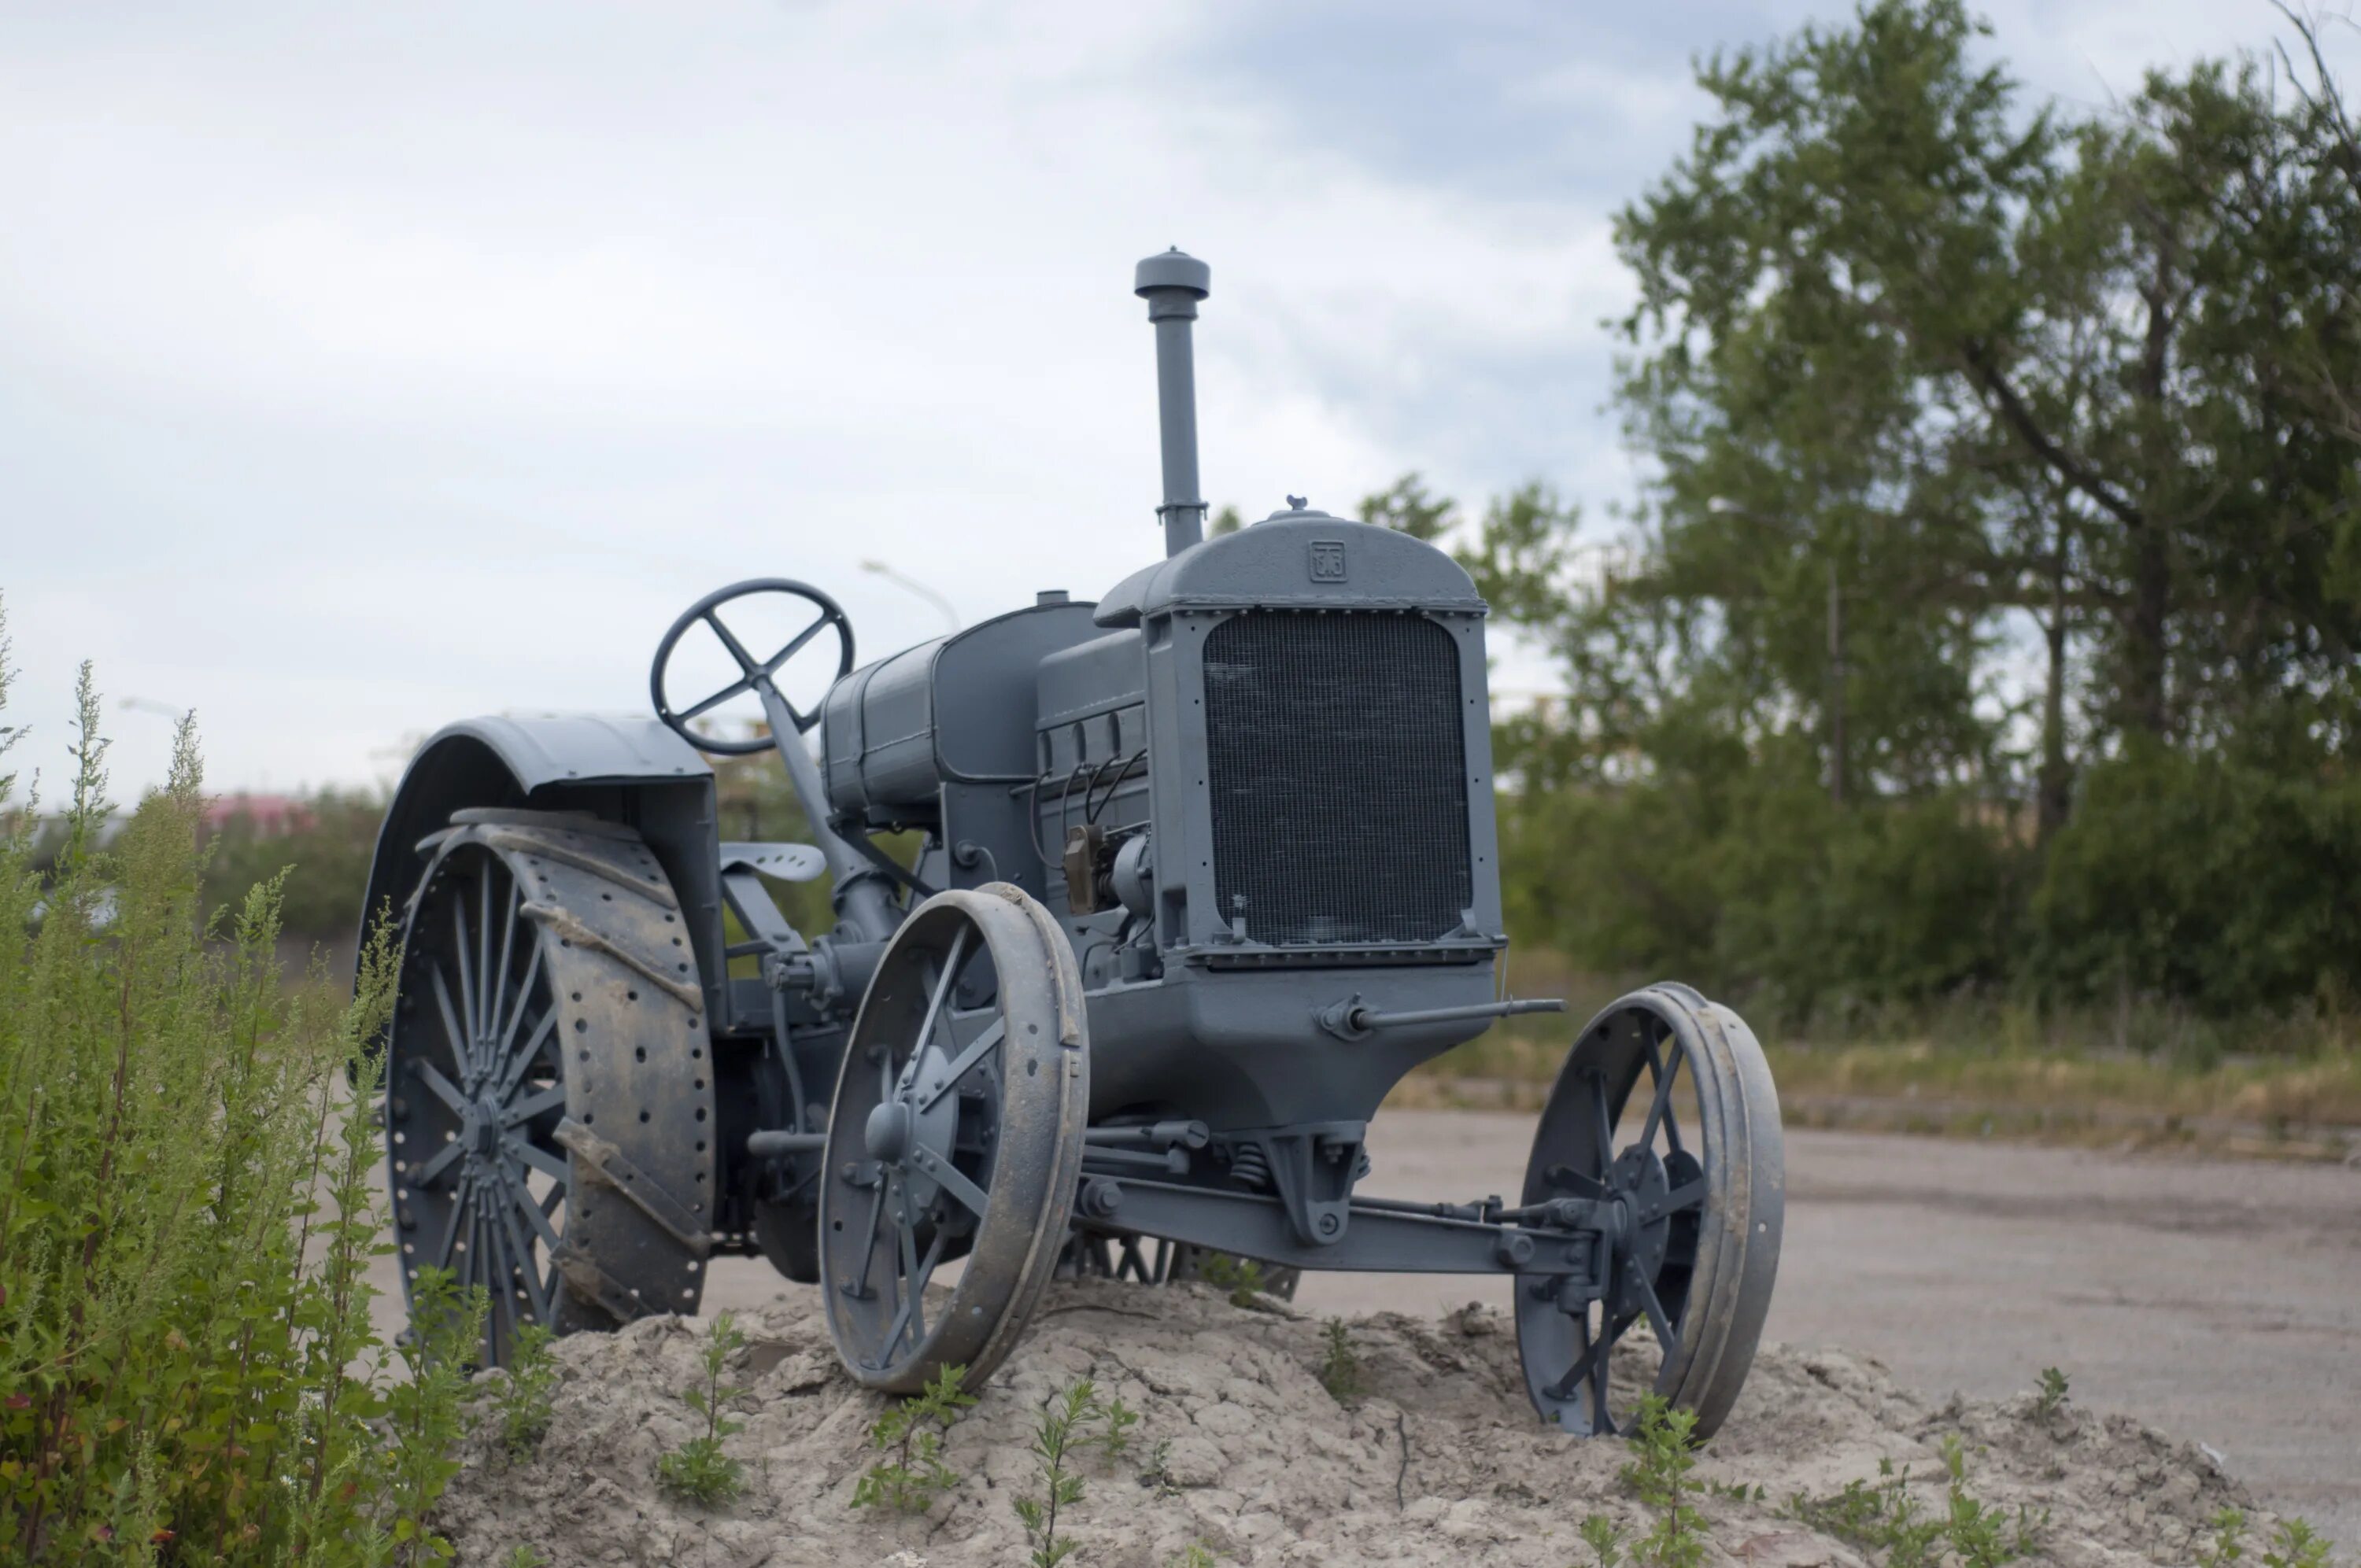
[(549, 1106)]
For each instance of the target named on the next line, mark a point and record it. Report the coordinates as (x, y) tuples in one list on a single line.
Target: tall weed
[(188, 1208)]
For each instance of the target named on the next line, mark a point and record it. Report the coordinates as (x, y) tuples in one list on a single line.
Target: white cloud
[(362, 368)]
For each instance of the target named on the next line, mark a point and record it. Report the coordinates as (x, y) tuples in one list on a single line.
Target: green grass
[(2275, 1084)]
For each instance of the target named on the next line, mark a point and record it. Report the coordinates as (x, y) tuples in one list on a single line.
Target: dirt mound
[(1241, 1449)]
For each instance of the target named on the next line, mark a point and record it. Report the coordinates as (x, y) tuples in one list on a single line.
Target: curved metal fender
[(561, 761)]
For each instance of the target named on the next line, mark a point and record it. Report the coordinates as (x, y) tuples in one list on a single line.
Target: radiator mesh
[(1337, 766)]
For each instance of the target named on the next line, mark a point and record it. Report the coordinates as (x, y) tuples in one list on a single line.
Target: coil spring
[(1249, 1167)]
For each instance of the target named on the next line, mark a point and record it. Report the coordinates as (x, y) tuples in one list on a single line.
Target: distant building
[(270, 816)]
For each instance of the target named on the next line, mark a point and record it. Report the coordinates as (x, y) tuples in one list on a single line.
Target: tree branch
[(2020, 415), (2329, 99)]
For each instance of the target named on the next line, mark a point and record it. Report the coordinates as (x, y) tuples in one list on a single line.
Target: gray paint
[(1172, 284), (998, 743), (626, 769)]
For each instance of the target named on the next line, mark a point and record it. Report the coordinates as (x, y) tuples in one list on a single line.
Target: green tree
[(1932, 379)]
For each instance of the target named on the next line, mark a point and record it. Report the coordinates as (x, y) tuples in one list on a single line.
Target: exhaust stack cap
[(1169, 281), (1173, 283)]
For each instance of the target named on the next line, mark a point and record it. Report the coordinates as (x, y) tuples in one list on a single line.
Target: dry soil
[(2219, 1299), (1243, 1452)]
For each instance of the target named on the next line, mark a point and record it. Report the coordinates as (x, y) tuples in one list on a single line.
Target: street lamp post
[(1724, 507), (879, 568)]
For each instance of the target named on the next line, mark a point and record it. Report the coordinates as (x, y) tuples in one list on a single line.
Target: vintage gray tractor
[(1206, 867)]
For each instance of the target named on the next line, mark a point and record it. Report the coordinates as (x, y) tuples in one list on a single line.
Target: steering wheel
[(755, 675)]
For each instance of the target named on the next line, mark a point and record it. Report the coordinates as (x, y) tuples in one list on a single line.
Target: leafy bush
[(698, 1470), (1061, 1427), (187, 1211), (1757, 884), (522, 1397), (1340, 1364), (910, 1435), (1663, 1445), (2209, 879)]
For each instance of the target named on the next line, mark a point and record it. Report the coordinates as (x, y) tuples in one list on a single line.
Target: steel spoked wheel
[(548, 1109), (956, 1134), (1693, 1194)]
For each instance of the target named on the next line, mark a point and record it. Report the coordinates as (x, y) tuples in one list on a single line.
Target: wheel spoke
[(1564, 1388), (461, 1042), (746, 662), (541, 1159), (1598, 1352), (495, 984), (521, 1262), (859, 1290), (523, 1060), (451, 1226), (1589, 1367), (483, 961), (468, 1062), (770, 664), (501, 1288), (424, 1176), (507, 1027), (1602, 1420), (955, 1181), (1606, 1133), (905, 1242), (963, 1064), (943, 983), (1567, 1178), (499, 1281), (1687, 1195), (431, 1075), (466, 1255), (1660, 1108), (912, 1314), (739, 688), (533, 1106), (522, 1201), (1649, 1303)]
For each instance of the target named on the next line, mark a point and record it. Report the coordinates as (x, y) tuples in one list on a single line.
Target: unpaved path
[(2217, 1300)]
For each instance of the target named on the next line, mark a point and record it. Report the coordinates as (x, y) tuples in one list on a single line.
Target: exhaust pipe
[(1173, 283)]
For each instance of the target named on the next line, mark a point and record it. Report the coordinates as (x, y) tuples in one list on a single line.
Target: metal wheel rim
[(993, 1183), (1701, 1179), (475, 1089), (581, 1026)]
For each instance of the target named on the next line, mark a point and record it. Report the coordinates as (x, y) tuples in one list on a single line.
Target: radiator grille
[(1337, 765)]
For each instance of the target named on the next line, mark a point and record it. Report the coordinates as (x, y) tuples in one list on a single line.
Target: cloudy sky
[(365, 366)]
